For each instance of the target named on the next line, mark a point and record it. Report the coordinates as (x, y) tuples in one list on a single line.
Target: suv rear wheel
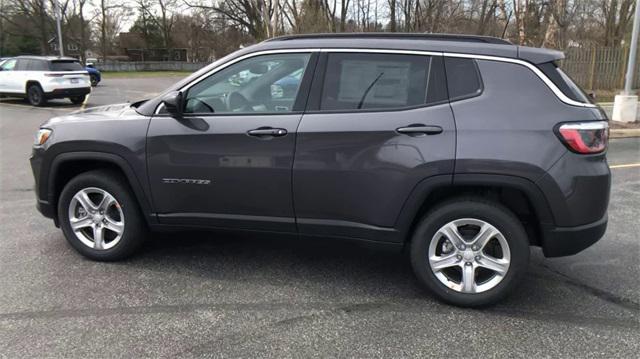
[(470, 252), (100, 217), (77, 99), (35, 95)]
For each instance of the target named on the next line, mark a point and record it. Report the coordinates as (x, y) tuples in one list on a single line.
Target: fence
[(151, 66), (599, 68), (593, 68)]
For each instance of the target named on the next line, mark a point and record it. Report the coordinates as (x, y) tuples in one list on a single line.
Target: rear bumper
[(565, 241), (68, 92)]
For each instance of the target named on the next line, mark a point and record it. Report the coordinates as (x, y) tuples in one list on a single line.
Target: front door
[(7, 76), (228, 162)]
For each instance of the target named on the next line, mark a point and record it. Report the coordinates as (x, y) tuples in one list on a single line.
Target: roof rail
[(396, 35)]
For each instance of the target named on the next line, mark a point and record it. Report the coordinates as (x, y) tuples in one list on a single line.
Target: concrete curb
[(624, 132)]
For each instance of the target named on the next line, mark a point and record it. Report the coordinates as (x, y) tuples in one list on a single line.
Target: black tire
[(135, 228), (35, 95), (77, 100), (94, 80), (490, 212)]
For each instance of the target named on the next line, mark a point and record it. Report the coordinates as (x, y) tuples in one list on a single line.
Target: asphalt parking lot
[(220, 295)]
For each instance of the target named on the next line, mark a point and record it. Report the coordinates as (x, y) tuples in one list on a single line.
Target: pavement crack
[(618, 300)]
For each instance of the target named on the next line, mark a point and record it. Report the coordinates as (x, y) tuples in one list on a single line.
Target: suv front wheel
[(100, 217), (470, 252)]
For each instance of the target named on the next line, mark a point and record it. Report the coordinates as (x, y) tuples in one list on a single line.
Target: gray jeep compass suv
[(464, 150)]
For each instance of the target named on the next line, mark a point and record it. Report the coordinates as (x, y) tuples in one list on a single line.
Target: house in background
[(71, 47)]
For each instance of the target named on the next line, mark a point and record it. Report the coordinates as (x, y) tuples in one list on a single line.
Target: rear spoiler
[(538, 56)]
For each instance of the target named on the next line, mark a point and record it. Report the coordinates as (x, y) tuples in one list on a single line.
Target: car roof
[(47, 58), (451, 43)]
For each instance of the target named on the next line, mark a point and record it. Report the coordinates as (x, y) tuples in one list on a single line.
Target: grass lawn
[(137, 74)]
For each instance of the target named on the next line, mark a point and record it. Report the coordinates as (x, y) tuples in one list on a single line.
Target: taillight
[(585, 137)]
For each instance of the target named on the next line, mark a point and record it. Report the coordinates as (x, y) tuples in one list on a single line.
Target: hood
[(100, 113)]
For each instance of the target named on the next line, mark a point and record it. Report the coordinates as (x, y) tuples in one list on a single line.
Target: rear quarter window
[(564, 82), (463, 78), (65, 66)]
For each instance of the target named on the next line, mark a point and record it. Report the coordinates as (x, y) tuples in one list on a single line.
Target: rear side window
[(37, 65), (364, 81), (21, 65), (564, 82), (463, 78), (65, 66)]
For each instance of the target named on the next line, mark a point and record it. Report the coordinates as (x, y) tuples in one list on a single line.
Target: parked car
[(464, 150), (94, 74), (40, 78)]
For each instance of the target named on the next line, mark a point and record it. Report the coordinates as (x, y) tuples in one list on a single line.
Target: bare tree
[(110, 14)]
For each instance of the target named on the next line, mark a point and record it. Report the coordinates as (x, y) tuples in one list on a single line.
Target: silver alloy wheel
[(96, 218), (469, 255)]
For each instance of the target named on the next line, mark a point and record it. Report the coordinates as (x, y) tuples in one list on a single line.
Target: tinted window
[(463, 78), (21, 65), (564, 82), (37, 65), (263, 84), (65, 66), (368, 81)]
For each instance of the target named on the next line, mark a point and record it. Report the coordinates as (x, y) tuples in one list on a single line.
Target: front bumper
[(565, 241), (68, 92), (43, 205)]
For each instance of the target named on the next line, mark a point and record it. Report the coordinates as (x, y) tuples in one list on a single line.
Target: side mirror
[(592, 95), (173, 103)]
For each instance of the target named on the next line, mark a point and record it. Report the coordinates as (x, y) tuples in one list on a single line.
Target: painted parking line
[(628, 165)]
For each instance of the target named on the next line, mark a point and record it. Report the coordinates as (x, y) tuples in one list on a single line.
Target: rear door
[(377, 124), (228, 161)]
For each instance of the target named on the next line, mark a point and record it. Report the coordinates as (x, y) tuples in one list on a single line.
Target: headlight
[(42, 136)]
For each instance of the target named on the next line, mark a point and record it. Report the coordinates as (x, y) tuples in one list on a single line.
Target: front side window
[(261, 84), (361, 81), (9, 65)]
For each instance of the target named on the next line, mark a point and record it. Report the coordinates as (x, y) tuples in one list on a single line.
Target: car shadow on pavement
[(324, 269), (58, 103)]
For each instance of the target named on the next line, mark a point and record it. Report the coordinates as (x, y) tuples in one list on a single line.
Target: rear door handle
[(267, 132), (419, 130)]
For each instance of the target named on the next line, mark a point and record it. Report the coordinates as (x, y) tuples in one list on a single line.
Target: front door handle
[(267, 132), (419, 130)]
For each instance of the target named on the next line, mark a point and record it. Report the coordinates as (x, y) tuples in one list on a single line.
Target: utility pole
[(56, 10), (633, 52), (625, 106)]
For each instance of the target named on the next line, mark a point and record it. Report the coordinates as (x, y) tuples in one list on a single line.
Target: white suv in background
[(40, 78)]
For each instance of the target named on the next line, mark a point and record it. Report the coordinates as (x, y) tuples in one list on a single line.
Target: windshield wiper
[(366, 92)]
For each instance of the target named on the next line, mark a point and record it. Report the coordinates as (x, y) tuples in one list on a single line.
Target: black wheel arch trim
[(428, 186), (134, 182)]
